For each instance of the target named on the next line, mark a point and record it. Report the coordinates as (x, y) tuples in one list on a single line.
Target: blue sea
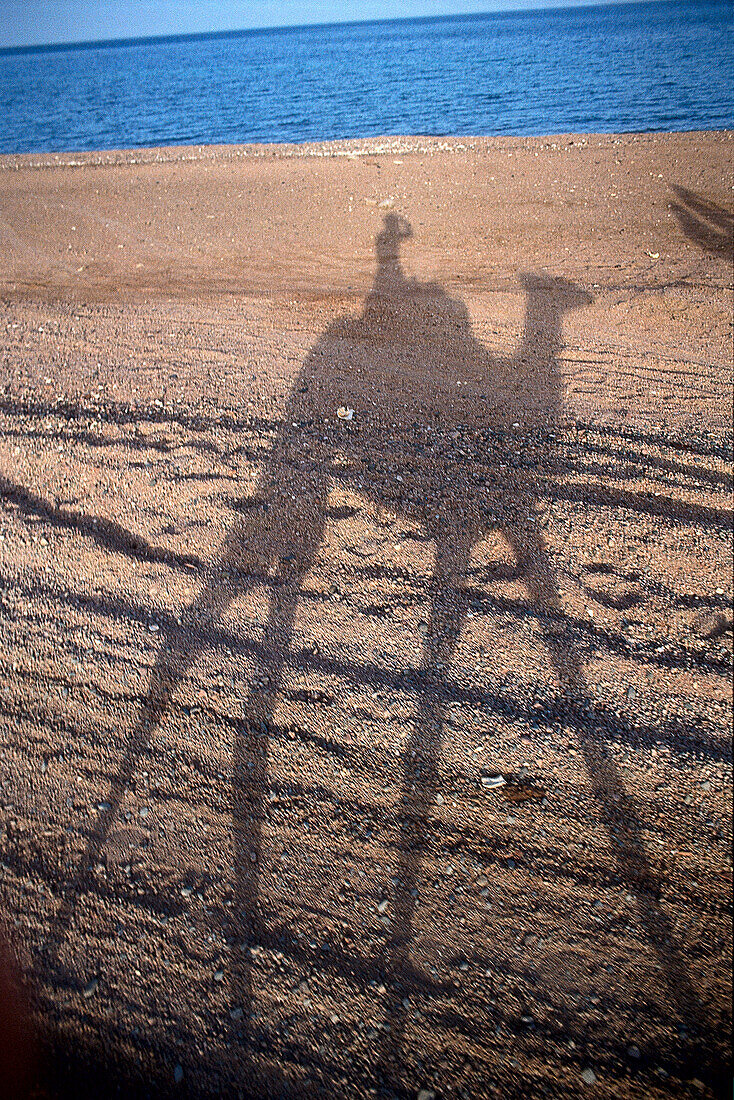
[(650, 66)]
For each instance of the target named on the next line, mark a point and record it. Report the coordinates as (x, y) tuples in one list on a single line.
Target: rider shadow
[(422, 389)]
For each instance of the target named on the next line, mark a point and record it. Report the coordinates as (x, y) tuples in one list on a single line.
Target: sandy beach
[(365, 617)]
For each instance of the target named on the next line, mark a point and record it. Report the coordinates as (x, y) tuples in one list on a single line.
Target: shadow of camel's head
[(559, 293)]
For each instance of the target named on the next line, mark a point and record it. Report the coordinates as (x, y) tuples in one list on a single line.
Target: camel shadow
[(386, 404), (706, 223)]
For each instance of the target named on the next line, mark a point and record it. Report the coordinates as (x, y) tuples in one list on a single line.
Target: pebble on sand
[(493, 782)]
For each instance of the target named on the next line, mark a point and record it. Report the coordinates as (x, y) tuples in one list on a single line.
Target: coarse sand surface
[(365, 617)]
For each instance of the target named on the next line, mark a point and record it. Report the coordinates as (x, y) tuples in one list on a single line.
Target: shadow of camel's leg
[(522, 532), (291, 534), (180, 647), (249, 796), (618, 813), (420, 783)]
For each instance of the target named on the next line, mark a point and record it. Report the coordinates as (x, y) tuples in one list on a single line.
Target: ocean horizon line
[(289, 28)]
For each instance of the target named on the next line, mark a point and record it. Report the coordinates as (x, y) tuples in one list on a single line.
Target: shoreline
[(345, 147)]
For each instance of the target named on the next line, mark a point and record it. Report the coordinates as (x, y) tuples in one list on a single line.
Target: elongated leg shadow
[(420, 782), (419, 788), (249, 799), (592, 724), (179, 649)]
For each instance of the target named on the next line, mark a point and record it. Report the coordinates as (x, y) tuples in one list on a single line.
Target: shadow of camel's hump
[(412, 383)]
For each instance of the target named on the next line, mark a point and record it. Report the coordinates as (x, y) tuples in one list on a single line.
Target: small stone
[(104, 807), (426, 1094), (493, 782), (236, 1013), (90, 989), (633, 1051), (588, 1077), (186, 891), (382, 907), (178, 1074), (219, 975)]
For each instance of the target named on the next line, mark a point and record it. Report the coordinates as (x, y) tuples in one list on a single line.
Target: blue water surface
[(650, 66)]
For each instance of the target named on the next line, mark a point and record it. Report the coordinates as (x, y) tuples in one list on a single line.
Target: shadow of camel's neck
[(542, 333)]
